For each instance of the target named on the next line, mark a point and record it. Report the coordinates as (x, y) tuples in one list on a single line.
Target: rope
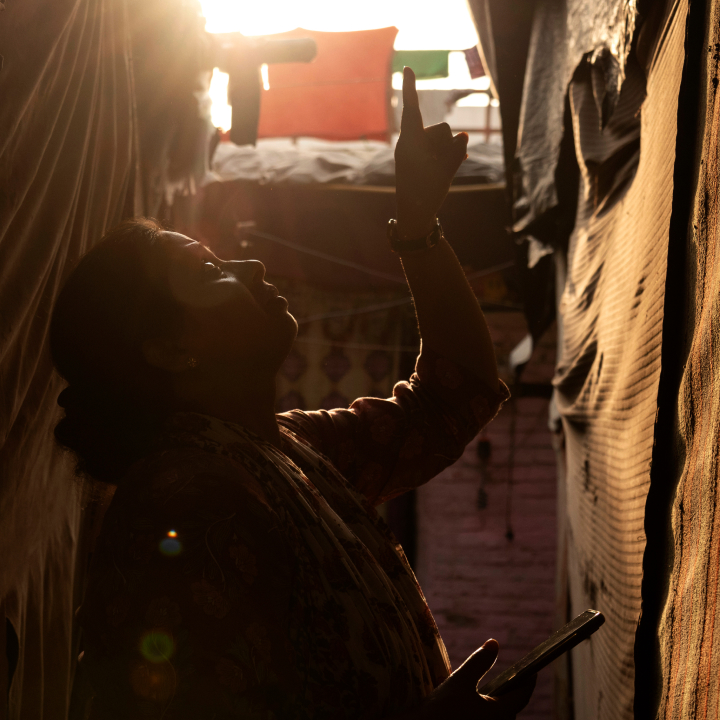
[(403, 301), (359, 346), (355, 311), (363, 268), (325, 256)]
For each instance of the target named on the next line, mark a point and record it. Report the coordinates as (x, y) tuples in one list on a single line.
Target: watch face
[(421, 243)]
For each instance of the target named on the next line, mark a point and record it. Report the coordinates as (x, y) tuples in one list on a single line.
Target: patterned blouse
[(233, 579)]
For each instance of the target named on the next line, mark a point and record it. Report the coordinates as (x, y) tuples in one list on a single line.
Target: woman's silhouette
[(241, 570)]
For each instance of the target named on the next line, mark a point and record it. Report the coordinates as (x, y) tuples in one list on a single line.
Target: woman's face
[(231, 315)]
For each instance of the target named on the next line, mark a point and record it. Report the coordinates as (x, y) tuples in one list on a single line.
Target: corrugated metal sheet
[(608, 373)]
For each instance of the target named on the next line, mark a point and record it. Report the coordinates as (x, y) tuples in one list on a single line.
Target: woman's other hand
[(458, 699), (426, 160)]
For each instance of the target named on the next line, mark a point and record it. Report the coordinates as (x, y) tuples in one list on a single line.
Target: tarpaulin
[(611, 316), (427, 64), (539, 46), (344, 94), (637, 376), (562, 35), (67, 166)]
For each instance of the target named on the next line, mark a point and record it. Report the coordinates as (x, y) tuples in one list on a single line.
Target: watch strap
[(422, 243)]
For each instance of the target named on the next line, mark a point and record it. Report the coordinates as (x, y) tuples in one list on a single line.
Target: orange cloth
[(342, 95)]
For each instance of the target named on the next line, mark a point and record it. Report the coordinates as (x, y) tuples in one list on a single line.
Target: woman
[(241, 571)]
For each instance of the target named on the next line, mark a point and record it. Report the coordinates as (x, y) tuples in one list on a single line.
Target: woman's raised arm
[(450, 319)]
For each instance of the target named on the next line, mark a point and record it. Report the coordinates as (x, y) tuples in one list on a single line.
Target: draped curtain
[(67, 173)]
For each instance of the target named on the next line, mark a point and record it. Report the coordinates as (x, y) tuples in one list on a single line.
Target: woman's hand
[(458, 699), (426, 160)]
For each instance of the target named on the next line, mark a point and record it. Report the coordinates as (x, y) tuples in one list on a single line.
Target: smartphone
[(577, 630)]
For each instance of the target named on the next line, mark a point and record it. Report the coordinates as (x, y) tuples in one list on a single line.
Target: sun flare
[(422, 24)]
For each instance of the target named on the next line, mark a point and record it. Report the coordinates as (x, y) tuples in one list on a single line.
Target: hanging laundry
[(341, 95), (244, 91), (474, 62), (426, 64)]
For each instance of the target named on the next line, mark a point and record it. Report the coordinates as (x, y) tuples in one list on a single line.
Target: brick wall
[(488, 568)]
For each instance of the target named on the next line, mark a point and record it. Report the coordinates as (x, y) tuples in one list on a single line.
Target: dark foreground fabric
[(66, 149), (236, 579)]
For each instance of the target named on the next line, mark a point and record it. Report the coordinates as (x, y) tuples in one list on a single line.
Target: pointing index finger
[(411, 116)]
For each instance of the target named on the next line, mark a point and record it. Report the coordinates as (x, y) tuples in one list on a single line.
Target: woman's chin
[(276, 305), (289, 331), (294, 324)]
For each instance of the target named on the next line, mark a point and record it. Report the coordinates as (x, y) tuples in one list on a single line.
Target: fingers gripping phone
[(577, 630)]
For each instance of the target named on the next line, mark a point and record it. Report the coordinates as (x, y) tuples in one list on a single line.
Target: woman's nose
[(249, 272)]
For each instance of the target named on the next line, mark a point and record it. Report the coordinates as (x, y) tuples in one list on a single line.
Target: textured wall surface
[(480, 584), (689, 631)]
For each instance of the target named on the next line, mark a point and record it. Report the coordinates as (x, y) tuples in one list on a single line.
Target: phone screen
[(558, 643)]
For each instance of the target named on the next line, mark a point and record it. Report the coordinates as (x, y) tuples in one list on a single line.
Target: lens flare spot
[(153, 681), (170, 546), (172, 533), (157, 646)]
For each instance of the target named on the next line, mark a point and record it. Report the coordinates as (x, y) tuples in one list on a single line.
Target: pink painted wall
[(478, 583)]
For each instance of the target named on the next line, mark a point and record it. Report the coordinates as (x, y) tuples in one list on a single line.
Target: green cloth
[(427, 64)]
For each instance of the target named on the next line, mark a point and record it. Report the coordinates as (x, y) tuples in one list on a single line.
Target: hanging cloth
[(426, 64), (474, 62)]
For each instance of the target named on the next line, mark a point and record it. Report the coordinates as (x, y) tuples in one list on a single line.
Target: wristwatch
[(422, 243)]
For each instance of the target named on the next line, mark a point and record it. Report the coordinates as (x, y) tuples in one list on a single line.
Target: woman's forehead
[(183, 248), (177, 241)]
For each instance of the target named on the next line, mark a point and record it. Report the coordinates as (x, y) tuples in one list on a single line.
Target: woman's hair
[(117, 297)]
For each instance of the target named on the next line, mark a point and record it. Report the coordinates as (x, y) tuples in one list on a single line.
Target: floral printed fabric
[(233, 579)]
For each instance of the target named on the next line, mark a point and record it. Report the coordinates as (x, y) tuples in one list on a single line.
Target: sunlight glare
[(221, 111), (479, 99), (422, 24)]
